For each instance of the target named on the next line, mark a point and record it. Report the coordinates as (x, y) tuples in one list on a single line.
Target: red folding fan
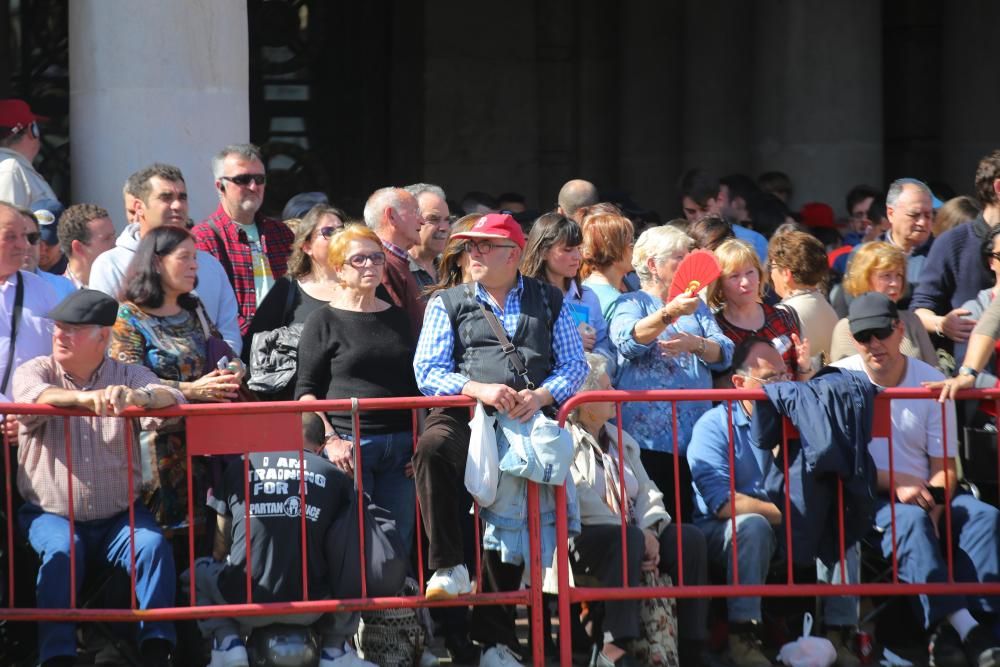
[(695, 271)]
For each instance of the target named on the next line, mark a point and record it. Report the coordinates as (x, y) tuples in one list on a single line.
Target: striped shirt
[(98, 455), (434, 363)]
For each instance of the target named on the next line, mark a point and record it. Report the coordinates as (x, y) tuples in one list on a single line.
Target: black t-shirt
[(275, 525), (344, 353)]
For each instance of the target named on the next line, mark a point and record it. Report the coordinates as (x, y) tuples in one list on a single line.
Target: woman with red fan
[(665, 343), (737, 298)]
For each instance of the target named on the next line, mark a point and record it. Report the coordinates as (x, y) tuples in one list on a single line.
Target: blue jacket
[(833, 413)]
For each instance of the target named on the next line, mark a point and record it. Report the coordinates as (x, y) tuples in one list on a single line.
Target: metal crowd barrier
[(222, 428)]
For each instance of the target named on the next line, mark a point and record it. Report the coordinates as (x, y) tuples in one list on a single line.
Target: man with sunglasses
[(756, 363), (925, 473), (20, 143), (253, 249)]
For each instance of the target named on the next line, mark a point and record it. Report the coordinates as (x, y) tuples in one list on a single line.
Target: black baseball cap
[(872, 310)]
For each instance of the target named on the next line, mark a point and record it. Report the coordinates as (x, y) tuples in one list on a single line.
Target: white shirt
[(916, 423), (34, 332), (20, 184)]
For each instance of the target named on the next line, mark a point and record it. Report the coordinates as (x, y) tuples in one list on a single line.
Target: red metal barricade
[(260, 427)]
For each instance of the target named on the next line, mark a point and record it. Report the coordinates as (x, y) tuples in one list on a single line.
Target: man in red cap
[(20, 141), (459, 353)]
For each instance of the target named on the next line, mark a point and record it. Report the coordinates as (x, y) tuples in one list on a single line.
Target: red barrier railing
[(258, 427), (882, 427)]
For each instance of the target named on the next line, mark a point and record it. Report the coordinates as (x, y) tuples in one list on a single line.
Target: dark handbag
[(216, 348)]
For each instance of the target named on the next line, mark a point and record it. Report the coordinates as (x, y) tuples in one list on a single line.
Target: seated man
[(275, 557), (921, 472), (79, 374), (755, 363)]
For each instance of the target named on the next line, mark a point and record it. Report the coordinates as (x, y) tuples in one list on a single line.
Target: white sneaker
[(449, 582), (230, 652), (499, 656), (346, 658)]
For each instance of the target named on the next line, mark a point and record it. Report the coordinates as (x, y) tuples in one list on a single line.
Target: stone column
[(817, 95), (154, 81)]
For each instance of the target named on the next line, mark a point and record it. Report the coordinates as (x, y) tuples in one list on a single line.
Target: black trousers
[(660, 468), (439, 472), (596, 551)]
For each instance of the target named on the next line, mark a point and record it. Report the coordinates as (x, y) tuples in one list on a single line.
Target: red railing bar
[(477, 528), (892, 502), (72, 516), (190, 513), (678, 519), (562, 573), (418, 528), (622, 497), (732, 492), (947, 491), (302, 515), (358, 484), (535, 576)]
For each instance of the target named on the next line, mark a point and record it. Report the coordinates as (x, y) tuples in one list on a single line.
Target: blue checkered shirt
[(434, 362)]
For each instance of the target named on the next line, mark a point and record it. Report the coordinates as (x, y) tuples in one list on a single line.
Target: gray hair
[(246, 151), (418, 189), (598, 365), (897, 186), (658, 243), (380, 200)]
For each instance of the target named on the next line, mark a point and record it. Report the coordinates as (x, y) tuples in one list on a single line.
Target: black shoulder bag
[(15, 318)]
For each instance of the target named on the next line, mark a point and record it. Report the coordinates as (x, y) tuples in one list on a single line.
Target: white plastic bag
[(808, 651), (482, 466)]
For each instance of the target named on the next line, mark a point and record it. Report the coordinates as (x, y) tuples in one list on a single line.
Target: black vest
[(477, 351)]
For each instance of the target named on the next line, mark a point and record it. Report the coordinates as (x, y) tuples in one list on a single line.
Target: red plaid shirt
[(275, 239), (777, 322)]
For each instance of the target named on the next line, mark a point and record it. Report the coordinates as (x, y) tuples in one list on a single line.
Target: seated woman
[(162, 326), (361, 346), (737, 299), (651, 540), (552, 255), (665, 343), (881, 267)]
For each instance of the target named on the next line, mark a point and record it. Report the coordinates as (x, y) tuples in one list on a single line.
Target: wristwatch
[(968, 370)]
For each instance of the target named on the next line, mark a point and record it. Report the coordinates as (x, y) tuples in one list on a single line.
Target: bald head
[(576, 194)]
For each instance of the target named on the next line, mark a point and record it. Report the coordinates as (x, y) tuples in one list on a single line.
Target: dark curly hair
[(143, 285)]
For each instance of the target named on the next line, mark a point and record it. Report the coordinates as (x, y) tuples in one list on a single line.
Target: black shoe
[(945, 648), (981, 649), (461, 649)]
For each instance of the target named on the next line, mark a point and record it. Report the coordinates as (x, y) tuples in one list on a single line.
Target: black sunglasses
[(244, 180), (865, 337)]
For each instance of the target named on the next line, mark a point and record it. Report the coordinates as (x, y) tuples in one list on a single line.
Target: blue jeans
[(756, 543), (921, 554), (105, 541), (383, 477)]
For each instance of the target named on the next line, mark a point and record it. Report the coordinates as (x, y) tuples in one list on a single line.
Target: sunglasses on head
[(244, 180), (881, 333)]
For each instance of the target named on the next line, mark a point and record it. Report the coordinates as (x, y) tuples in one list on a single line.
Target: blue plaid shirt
[(434, 363)]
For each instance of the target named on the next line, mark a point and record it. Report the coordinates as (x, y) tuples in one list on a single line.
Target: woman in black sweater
[(360, 346)]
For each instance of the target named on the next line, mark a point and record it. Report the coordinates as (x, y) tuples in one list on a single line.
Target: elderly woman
[(162, 326), (361, 346), (737, 299), (665, 344), (881, 267), (651, 540), (552, 255), (798, 271), (608, 238)]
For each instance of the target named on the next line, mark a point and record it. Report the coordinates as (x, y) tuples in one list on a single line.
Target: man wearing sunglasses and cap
[(20, 142), (924, 474)]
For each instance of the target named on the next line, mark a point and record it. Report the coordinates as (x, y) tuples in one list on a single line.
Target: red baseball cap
[(17, 114), (495, 226), (817, 214)]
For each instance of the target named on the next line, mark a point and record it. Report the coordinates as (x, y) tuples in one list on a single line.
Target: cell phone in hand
[(222, 363), (937, 493)]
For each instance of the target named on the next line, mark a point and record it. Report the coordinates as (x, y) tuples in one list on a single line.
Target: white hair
[(418, 189), (659, 243), (380, 200), (248, 152), (897, 186)]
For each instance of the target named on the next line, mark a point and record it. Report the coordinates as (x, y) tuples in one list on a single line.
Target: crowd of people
[(519, 310)]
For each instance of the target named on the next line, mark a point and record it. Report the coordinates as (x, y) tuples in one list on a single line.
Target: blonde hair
[(657, 243), (733, 255), (337, 253), (872, 257)]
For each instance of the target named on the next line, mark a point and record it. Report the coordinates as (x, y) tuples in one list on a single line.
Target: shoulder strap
[(200, 311), (286, 314), (508, 348), (15, 318), (227, 263)]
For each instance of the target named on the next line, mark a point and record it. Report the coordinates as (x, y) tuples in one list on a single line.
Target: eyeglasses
[(243, 180), (33, 237), (485, 247), (865, 337), (359, 261), (780, 377), (327, 232)]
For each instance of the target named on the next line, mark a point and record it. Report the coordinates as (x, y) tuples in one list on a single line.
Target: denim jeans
[(921, 554), (383, 476), (756, 543), (105, 541)]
